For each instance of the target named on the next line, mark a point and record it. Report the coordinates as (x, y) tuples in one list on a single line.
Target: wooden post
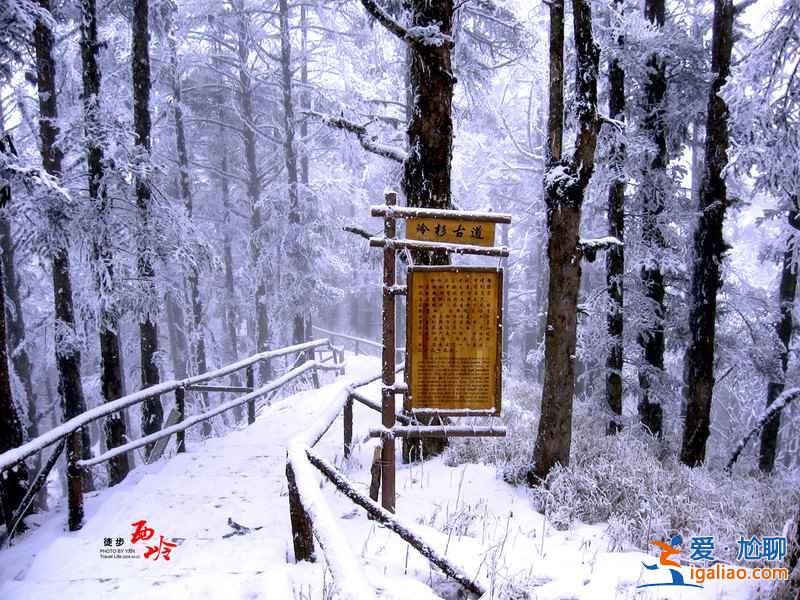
[(180, 406), (348, 425), (312, 354), (74, 482), (356, 347), (251, 404), (302, 530), (388, 356), (375, 476)]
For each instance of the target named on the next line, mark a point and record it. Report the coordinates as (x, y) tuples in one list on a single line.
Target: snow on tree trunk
[(783, 328), (564, 186), (68, 356), (14, 318), (257, 243), (615, 256), (709, 247), (197, 337), (653, 188), (13, 481), (152, 411), (111, 373), (297, 264)]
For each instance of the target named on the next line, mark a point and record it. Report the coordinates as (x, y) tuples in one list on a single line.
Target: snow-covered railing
[(70, 431), (357, 341), (312, 518)]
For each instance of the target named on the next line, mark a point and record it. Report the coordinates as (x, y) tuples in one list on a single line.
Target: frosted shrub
[(633, 482)]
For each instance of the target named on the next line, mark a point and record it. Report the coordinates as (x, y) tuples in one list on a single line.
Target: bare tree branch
[(358, 231), (367, 141)]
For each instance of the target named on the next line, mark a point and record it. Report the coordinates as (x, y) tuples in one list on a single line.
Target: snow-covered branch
[(590, 248), (365, 139), (773, 409), (428, 35)]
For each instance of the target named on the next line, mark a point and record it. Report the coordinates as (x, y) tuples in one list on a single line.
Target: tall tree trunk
[(13, 482), (426, 171), (197, 337), (68, 356), (14, 318), (306, 194), (178, 345), (565, 183), (257, 244), (783, 328), (152, 411), (709, 247), (297, 265), (654, 182), (615, 256), (111, 373)]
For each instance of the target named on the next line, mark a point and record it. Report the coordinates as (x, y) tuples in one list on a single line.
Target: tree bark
[(257, 244), (197, 339), (654, 182), (783, 329), (297, 267), (152, 411), (615, 256), (709, 247), (565, 183), (68, 356), (111, 374), (13, 482), (14, 318)]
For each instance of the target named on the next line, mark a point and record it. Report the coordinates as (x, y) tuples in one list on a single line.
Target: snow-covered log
[(338, 554), (402, 528)]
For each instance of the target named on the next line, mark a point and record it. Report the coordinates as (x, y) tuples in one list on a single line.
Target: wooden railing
[(311, 517), (358, 343), (67, 435)]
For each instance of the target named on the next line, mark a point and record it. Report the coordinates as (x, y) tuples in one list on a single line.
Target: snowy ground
[(483, 524)]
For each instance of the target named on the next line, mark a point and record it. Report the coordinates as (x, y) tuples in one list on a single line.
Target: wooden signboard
[(454, 333), (450, 231)]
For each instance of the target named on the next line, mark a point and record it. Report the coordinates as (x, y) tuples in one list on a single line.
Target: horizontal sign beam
[(379, 242), (437, 431), (405, 212)]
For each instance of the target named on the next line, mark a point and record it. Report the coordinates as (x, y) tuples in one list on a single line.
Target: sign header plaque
[(450, 231)]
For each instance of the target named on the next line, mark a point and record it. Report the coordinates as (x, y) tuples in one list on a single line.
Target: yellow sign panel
[(450, 231), (454, 324)]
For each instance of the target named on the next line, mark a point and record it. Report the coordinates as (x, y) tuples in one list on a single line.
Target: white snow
[(467, 513)]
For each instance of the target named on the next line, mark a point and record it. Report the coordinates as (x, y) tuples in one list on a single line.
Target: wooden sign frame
[(409, 404)]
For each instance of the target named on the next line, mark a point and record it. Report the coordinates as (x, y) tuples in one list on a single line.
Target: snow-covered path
[(190, 497), (466, 512)]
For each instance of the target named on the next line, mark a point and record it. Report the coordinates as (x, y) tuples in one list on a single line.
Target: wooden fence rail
[(311, 518), (357, 342), (70, 430)]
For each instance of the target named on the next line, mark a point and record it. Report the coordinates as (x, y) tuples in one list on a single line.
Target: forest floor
[(480, 522)]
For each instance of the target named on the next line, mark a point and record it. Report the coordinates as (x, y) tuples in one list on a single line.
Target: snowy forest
[(185, 184)]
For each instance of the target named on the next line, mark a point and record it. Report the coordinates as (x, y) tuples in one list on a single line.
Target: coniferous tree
[(709, 247), (111, 376), (152, 410), (565, 182)]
